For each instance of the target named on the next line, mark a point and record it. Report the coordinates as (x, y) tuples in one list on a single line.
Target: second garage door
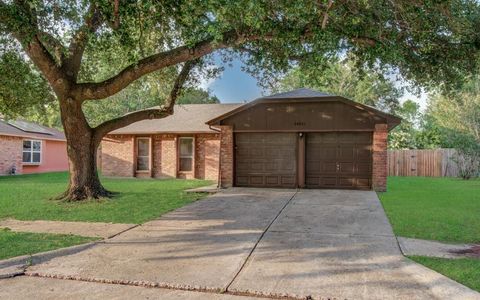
[(265, 159), (338, 160)]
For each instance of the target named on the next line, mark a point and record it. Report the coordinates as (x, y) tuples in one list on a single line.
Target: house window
[(186, 154), (32, 151), (143, 154)]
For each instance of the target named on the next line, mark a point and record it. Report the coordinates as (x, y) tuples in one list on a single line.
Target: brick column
[(379, 171), (226, 156)]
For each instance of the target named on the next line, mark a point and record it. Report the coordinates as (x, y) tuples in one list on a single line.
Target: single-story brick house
[(27, 147), (301, 138)]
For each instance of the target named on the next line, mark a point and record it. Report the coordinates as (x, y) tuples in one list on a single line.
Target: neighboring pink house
[(301, 138), (31, 148)]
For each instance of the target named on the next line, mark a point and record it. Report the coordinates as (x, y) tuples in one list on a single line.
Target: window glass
[(36, 157), (142, 163), (36, 145), (143, 154), (186, 147), (27, 156), (143, 147), (32, 151), (27, 145), (186, 154), (186, 164)]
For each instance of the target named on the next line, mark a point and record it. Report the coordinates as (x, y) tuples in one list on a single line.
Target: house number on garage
[(299, 123)]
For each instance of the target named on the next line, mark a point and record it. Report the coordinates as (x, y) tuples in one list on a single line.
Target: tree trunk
[(82, 155)]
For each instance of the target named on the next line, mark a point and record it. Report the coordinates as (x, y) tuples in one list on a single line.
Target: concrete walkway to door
[(261, 242)]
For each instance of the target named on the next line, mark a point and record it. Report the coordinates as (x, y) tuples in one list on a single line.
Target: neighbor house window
[(186, 154), (143, 154), (32, 151)]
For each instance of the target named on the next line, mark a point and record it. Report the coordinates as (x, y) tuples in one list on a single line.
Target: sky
[(234, 85)]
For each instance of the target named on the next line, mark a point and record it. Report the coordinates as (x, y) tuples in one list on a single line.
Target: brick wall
[(118, 155), (379, 172), (164, 156), (226, 156), (10, 154), (207, 150)]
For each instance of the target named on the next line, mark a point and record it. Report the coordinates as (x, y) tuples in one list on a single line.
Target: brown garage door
[(338, 160), (265, 159)]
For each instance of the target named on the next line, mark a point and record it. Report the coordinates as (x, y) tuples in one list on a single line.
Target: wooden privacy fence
[(431, 163)]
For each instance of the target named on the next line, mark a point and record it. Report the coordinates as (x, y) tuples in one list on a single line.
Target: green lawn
[(465, 270), (443, 209), (27, 197), (21, 243)]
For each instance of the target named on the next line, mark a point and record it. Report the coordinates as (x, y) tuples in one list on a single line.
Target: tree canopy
[(93, 50), (340, 78)]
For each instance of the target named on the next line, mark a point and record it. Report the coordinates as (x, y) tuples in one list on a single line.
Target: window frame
[(31, 151), (192, 156), (149, 156)]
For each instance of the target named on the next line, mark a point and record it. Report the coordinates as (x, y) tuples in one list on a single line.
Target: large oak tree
[(83, 50)]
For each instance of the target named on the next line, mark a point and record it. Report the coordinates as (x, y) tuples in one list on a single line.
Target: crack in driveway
[(259, 239)]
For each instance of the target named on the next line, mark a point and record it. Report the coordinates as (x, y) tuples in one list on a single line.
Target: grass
[(464, 270), (443, 209), (22, 243), (27, 197)]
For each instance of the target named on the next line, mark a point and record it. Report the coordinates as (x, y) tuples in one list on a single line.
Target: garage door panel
[(255, 180), (345, 160), (363, 183), (364, 168), (272, 180), (346, 153), (328, 167), (242, 180), (265, 159), (346, 167), (328, 182), (364, 153), (288, 180)]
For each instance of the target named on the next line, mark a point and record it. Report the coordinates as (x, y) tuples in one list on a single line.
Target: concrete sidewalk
[(91, 229), (263, 242), (47, 289)]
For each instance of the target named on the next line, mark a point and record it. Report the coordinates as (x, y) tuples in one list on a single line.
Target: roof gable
[(307, 95)]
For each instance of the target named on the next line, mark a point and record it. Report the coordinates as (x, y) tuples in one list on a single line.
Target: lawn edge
[(31, 259), (449, 288)]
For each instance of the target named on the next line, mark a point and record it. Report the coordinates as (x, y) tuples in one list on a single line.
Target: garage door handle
[(338, 167)]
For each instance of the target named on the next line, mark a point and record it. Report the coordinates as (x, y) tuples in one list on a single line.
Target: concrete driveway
[(261, 242)]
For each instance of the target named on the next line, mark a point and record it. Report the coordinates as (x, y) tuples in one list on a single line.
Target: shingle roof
[(298, 93), (187, 118), (26, 129)]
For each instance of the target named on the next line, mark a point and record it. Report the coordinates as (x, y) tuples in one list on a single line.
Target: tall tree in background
[(404, 135), (457, 114), (79, 50), (197, 96), (343, 79)]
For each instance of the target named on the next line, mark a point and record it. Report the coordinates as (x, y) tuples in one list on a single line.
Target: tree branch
[(155, 62), (21, 23), (163, 111), (93, 20), (54, 45)]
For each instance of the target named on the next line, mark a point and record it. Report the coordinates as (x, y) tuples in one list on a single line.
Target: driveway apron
[(327, 244), (199, 246)]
